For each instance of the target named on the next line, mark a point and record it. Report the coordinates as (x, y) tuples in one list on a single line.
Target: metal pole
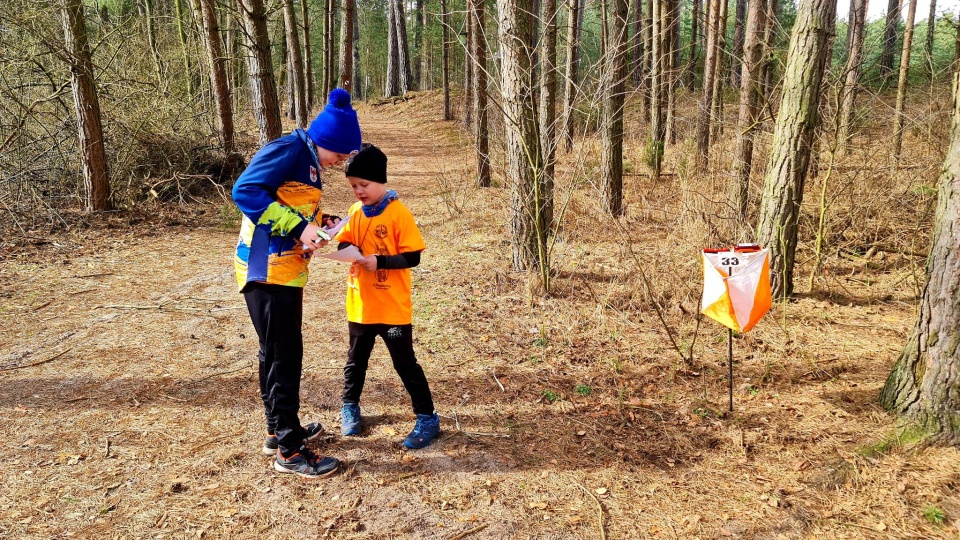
[(730, 363)]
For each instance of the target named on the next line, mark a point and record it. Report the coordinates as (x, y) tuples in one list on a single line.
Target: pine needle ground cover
[(130, 400)]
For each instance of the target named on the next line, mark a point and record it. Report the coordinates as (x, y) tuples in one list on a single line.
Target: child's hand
[(330, 221), (369, 263), (312, 237)]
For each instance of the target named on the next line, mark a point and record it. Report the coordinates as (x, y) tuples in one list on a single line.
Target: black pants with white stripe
[(399, 341)]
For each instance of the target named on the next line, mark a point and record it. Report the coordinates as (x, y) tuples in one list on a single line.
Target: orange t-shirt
[(382, 296)]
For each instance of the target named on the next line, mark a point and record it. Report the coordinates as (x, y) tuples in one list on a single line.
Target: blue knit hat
[(336, 127)]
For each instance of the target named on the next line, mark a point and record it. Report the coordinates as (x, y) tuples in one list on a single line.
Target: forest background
[(567, 163)]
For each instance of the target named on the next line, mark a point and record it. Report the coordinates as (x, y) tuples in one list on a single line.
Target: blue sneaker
[(351, 423), (426, 429)]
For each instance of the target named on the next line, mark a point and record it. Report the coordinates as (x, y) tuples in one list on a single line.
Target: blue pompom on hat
[(336, 127)]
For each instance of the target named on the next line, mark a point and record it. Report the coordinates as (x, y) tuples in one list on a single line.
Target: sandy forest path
[(129, 401)]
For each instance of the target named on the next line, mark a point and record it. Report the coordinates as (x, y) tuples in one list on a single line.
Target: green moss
[(909, 434)]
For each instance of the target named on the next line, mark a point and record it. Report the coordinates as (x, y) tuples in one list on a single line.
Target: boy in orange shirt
[(378, 295)]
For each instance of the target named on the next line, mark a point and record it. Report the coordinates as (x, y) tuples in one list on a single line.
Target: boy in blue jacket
[(279, 194)]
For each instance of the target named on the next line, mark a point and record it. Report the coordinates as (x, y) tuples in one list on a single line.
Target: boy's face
[(328, 158), (367, 192)]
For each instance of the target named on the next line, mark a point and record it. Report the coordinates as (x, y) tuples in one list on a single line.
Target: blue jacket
[(279, 194)]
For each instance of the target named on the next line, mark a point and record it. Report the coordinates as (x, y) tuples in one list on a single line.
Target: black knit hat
[(369, 163)]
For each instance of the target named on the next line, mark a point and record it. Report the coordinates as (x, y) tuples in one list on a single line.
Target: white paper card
[(348, 254)]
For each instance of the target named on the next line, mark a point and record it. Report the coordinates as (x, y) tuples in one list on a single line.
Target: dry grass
[(129, 396)]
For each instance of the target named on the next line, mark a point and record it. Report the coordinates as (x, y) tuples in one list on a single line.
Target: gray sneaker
[(305, 463), (270, 443)]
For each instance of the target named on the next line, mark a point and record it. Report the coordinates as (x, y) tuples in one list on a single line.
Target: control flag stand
[(736, 291)]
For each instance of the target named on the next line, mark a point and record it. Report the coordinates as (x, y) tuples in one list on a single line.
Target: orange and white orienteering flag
[(736, 285)]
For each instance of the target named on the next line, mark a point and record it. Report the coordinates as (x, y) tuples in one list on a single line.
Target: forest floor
[(129, 397)]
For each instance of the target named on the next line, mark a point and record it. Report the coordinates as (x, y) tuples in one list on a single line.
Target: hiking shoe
[(270, 443), (351, 423), (305, 463), (426, 429)]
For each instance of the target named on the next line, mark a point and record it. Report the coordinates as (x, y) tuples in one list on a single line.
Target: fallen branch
[(603, 532), (467, 533), (502, 389), (52, 358)]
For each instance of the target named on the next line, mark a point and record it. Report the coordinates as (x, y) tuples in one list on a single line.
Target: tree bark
[(548, 104), (855, 27), (263, 85), (659, 57), (750, 94), (218, 75), (445, 60), (426, 77), (923, 383), (393, 87), (928, 46), (672, 49), (902, 81), (93, 155), (574, 21), (704, 119), (524, 166), (478, 53), (468, 70), (716, 115), (611, 154), (736, 54), (403, 46), (182, 37), (646, 34), (690, 74), (152, 42), (769, 39), (297, 83), (415, 66), (636, 34), (309, 93), (346, 45), (792, 140), (890, 31)]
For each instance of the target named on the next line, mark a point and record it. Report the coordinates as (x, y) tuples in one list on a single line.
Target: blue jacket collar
[(374, 210)]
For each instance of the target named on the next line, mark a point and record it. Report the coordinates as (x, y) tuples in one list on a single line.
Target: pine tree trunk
[(704, 120), (93, 155), (923, 383), (646, 81), (792, 140), (574, 20), (400, 19), (445, 58), (659, 56), (636, 32), (468, 70), (548, 105), (346, 45), (297, 82), (393, 53), (769, 39), (522, 138), (426, 75), (327, 50), (330, 78), (263, 86), (611, 154), (478, 50), (902, 81), (890, 31), (309, 93), (152, 43), (672, 49), (716, 114), (740, 16), (855, 27), (928, 46), (690, 73), (750, 94), (415, 65), (182, 37), (218, 75)]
